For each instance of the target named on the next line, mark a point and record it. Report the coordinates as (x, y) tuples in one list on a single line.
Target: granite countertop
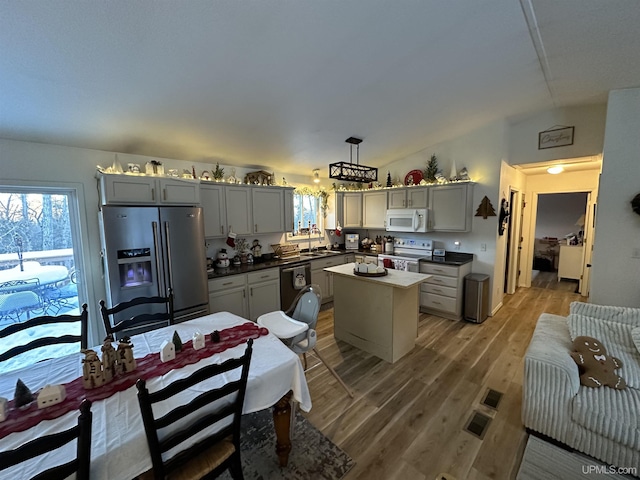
[(275, 263), (451, 258)]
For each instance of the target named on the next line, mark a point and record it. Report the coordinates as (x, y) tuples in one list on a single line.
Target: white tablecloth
[(119, 448)]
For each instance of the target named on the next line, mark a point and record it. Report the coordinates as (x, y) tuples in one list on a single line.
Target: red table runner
[(147, 367)]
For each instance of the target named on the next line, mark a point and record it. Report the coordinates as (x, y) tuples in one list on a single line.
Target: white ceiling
[(283, 83)]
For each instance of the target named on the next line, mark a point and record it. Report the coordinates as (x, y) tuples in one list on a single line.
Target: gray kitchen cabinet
[(263, 292), (229, 294), (374, 209), (352, 210), (324, 279), (267, 209), (288, 210), (247, 295), (410, 197), (239, 209), (214, 209), (339, 211), (442, 294), (147, 190), (450, 207)]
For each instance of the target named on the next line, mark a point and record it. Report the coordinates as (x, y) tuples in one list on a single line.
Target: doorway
[(558, 248)]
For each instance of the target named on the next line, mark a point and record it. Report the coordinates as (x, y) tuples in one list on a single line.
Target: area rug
[(313, 456), (544, 461)]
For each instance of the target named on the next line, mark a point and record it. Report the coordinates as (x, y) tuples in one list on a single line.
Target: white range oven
[(407, 254)]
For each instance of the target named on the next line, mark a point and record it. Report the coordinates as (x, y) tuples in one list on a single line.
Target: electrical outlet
[(457, 245), (483, 247)]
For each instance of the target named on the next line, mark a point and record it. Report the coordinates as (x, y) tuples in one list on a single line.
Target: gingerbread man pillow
[(595, 365)]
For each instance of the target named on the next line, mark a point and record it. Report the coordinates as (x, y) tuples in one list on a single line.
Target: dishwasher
[(289, 281)]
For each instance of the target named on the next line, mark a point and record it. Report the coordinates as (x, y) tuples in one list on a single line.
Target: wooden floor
[(407, 419), (550, 280)]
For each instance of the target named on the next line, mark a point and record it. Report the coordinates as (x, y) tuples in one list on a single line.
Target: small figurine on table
[(125, 361), (92, 375), (256, 249), (109, 358)]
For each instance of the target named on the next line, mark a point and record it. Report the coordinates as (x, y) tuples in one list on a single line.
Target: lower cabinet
[(325, 279), (247, 295), (443, 293)]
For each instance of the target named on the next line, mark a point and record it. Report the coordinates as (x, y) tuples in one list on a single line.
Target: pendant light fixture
[(353, 172), (316, 176)]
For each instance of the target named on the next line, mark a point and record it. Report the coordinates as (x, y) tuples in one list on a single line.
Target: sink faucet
[(309, 233)]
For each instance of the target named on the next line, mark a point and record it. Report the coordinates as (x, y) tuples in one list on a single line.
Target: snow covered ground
[(31, 334)]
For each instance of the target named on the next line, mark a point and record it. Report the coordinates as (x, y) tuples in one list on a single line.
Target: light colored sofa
[(601, 422)]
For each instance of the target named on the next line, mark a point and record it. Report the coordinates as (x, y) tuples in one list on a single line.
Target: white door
[(589, 233)]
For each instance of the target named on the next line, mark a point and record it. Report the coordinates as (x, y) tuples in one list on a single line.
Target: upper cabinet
[(239, 209), (450, 207), (268, 210), (148, 190), (411, 197), (214, 207), (352, 210), (374, 209), (245, 209)]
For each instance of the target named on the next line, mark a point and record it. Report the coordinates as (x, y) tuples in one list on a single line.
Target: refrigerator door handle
[(169, 267), (156, 247)]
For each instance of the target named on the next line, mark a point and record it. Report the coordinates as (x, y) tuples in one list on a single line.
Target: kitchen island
[(376, 314)]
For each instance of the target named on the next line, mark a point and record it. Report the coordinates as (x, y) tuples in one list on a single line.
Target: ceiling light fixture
[(353, 172), (555, 169), (316, 176)]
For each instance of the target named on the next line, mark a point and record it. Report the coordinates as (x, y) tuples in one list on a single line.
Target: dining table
[(118, 445)]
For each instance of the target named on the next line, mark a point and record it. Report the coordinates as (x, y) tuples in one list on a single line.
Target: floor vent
[(492, 398), (477, 424)]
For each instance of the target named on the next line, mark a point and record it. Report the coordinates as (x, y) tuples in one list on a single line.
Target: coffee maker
[(351, 241)]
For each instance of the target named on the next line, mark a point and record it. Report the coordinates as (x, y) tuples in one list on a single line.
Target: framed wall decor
[(555, 137)]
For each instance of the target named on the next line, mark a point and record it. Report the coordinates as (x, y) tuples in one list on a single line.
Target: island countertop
[(394, 278)]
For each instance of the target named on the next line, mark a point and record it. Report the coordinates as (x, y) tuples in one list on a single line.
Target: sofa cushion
[(614, 414), (616, 338), (635, 336)]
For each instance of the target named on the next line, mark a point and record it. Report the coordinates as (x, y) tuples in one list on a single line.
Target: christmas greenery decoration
[(432, 169), (389, 184), (218, 173), (22, 396), (176, 341)]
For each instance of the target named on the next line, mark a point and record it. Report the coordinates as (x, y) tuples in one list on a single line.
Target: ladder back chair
[(60, 320), (139, 321), (49, 443), (211, 455)]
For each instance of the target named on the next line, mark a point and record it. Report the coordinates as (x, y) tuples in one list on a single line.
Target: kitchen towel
[(299, 278)]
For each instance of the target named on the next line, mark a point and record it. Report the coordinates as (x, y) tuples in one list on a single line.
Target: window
[(309, 210), (38, 254)]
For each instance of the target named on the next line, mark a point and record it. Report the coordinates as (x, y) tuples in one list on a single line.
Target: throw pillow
[(596, 367), (625, 315)]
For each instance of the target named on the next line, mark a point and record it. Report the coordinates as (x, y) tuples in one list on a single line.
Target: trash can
[(476, 297)]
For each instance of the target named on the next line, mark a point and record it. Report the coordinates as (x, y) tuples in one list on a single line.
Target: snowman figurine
[(222, 259), (256, 249)]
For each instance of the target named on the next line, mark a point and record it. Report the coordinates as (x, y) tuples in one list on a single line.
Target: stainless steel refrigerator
[(147, 250)]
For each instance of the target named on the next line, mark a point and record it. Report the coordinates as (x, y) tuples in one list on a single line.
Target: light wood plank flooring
[(407, 419)]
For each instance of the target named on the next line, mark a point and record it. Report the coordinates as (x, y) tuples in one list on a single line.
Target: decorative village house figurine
[(197, 341), (91, 370), (125, 362), (109, 359), (167, 351), (51, 395), (3, 409)]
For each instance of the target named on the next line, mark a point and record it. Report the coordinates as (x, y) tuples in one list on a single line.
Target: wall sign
[(555, 137)]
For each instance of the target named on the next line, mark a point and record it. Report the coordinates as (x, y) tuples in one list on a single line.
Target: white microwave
[(412, 220)]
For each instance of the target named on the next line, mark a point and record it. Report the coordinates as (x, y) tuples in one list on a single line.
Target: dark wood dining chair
[(82, 318), (217, 452), (139, 321), (79, 465)]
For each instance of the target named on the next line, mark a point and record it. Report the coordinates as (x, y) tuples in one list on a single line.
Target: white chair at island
[(296, 326)]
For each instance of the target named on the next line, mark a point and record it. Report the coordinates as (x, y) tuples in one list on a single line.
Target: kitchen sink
[(320, 253)]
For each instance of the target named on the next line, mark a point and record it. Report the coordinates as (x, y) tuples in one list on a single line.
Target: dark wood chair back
[(138, 322), (79, 465), (200, 452), (83, 318)]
